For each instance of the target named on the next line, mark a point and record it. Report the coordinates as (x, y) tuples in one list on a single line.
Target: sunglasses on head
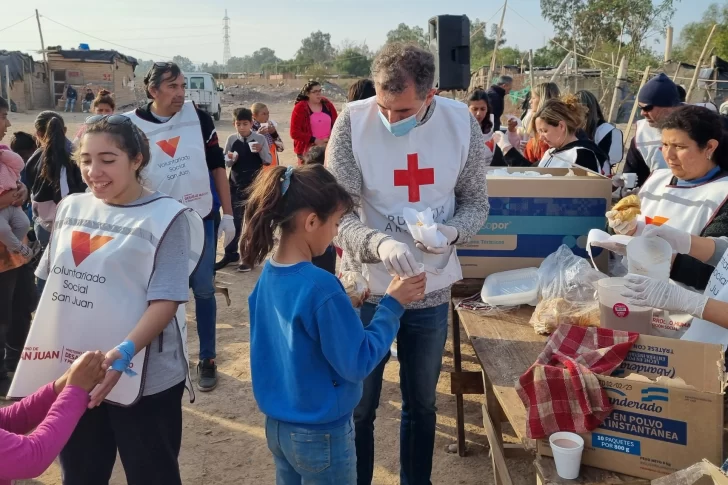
[(162, 64), (116, 120)]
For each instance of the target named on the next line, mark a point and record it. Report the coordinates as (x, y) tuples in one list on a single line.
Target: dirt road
[(224, 437)]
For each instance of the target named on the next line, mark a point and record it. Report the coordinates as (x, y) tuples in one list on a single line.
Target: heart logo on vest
[(83, 245), (169, 146), (621, 310)]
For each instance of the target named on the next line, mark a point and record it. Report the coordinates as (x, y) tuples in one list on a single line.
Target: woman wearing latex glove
[(710, 308), (450, 233)]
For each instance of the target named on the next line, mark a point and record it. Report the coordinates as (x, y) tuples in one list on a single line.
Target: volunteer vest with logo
[(100, 263), (565, 159), (178, 167), (687, 208), (702, 330), (648, 141), (616, 151), (418, 170)]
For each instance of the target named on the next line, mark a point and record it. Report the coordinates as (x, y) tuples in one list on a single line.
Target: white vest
[(178, 167), (616, 149), (648, 141), (101, 261), (418, 170), (565, 159), (702, 330)]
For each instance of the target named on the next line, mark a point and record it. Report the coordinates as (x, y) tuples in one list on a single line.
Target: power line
[(16, 23)]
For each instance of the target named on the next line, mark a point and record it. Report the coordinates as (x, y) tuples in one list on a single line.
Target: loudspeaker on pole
[(449, 37)]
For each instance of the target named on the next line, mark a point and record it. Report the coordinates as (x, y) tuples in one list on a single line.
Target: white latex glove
[(448, 231), (226, 229), (664, 295), (679, 240), (619, 227), (397, 258), (502, 141)]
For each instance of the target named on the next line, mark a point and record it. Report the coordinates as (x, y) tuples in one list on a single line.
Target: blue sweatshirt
[(309, 352)]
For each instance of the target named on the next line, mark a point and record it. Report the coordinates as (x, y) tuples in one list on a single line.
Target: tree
[(184, 63), (548, 56), (353, 62), (482, 45), (316, 48), (407, 34), (694, 35)]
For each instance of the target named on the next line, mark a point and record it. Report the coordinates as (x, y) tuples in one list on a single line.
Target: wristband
[(127, 351)]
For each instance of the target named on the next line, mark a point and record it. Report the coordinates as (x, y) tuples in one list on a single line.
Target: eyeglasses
[(315, 91), (116, 120), (647, 108)]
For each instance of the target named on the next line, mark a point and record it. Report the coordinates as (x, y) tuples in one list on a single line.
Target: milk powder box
[(531, 217), (668, 410)]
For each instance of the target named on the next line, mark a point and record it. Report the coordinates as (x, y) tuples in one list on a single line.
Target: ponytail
[(52, 131), (268, 207), (104, 97)]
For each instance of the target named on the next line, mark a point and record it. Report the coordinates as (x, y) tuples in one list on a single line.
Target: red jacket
[(301, 125)]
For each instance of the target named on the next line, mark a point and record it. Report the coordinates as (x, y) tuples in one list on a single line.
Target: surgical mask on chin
[(401, 127)]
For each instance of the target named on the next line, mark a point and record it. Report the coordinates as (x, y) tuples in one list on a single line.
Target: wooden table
[(506, 346)]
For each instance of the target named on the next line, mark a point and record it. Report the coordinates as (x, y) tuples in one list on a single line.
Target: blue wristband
[(127, 350)]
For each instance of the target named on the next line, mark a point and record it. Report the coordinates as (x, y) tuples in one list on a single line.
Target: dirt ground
[(224, 437)]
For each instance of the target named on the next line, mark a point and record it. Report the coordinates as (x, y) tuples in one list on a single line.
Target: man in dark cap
[(657, 99)]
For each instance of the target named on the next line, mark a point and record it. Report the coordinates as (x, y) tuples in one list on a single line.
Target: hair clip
[(286, 180)]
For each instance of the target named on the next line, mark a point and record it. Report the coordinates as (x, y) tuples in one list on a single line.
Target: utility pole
[(226, 40), (45, 61), (668, 45), (7, 83), (497, 40), (576, 61)]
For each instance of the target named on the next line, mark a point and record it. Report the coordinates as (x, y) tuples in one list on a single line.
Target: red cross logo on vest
[(413, 177)]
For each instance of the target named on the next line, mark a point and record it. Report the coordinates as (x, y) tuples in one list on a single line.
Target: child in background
[(263, 125), (246, 152), (326, 261), (14, 223), (24, 144), (309, 351), (53, 412)]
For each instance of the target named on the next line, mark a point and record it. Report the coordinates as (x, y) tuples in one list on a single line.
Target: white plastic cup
[(420, 269), (567, 449), (253, 145), (630, 180), (649, 256)]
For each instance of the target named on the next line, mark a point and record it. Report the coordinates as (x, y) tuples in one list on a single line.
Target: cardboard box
[(531, 217), (668, 410)]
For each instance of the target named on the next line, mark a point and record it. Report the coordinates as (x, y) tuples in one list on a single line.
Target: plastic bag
[(423, 228), (356, 287), (567, 284)]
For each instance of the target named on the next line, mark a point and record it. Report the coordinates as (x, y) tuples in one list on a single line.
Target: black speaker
[(450, 43)]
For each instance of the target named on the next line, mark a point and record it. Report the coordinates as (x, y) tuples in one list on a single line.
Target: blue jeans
[(70, 104), (307, 456), (420, 343), (202, 283)]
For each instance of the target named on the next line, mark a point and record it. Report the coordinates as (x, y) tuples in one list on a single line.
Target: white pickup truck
[(201, 89)]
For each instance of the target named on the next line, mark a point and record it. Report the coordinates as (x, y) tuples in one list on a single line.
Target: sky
[(161, 29)]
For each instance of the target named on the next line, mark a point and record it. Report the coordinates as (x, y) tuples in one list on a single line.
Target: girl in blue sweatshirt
[(309, 352)]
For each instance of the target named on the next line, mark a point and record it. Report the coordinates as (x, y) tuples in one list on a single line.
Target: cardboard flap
[(560, 173)]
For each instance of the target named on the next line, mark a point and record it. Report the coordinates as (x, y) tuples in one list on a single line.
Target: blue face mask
[(401, 127)]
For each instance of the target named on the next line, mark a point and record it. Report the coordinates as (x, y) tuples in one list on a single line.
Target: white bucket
[(616, 314), (649, 256), (567, 449)]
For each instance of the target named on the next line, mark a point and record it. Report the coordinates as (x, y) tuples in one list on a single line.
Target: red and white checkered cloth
[(561, 391)]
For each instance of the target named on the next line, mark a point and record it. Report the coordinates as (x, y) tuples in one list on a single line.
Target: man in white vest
[(404, 148), (658, 98), (188, 164)]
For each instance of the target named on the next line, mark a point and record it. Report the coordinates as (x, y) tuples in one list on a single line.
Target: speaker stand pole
[(497, 41)]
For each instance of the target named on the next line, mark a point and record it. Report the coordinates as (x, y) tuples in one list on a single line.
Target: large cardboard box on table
[(530, 217), (668, 410)]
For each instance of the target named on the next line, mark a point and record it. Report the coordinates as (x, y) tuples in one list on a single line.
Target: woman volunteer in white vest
[(557, 122), (710, 308), (689, 195), (117, 267)]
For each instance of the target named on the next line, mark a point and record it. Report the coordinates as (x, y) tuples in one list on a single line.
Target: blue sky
[(193, 28)]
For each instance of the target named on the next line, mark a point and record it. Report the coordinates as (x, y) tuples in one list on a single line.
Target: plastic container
[(649, 256), (567, 449), (616, 314), (511, 288)]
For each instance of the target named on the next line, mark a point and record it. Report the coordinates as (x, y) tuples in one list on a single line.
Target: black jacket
[(496, 99)]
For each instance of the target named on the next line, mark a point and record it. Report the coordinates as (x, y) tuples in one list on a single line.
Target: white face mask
[(402, 127)]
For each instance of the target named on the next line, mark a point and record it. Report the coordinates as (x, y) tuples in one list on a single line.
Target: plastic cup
[(420, 268), (252, 145), (630, 180), (614, 311), (649, 256), (567, 449)]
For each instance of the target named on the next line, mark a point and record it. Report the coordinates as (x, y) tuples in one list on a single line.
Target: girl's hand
[(112, 377)]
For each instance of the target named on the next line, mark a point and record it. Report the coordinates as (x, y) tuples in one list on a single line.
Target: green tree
[(184, 63), (405, 33), (316, 48), (694, 35), (352, 62), (481, 44)]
